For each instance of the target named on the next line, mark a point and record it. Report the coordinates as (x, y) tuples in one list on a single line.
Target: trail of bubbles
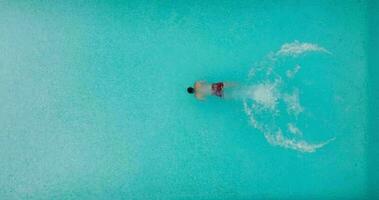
[(296, 48), (268, 89)]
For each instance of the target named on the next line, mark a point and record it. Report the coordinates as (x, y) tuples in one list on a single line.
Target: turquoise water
[(94, 104)]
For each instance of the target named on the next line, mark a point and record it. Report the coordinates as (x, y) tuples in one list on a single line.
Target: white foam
[(265, 95), (293, 103), (300, 145), (292, 128), (293, 72), (250, 114), (263, 99), (297, 48), (278, 139)]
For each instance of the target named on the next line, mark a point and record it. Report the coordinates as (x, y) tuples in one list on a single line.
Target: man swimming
[(202, 89)]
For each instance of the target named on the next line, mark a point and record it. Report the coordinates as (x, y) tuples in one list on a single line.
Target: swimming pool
[(94, 103)]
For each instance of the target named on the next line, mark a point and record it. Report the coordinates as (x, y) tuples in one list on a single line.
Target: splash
[(265, 95), (293, 72), (292, 128), (272, 105), (293, 103), (296, 48), (300, 145)]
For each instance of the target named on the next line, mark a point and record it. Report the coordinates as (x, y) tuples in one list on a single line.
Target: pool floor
[(94, 105)]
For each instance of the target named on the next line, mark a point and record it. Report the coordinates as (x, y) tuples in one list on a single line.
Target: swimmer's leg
[(232, 90), (230, 84)]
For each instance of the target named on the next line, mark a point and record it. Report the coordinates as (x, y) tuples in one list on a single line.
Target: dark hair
[(190, 90)]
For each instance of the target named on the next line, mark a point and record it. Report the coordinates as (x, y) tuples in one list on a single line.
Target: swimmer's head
[(190, 90)]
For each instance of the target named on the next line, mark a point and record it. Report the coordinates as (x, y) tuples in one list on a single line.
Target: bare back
[(202, 89)]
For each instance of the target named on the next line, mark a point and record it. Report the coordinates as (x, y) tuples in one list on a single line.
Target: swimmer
[(201, 89)]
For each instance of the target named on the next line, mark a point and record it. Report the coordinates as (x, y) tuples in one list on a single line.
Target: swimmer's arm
[(199, 96), (198, 84)]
